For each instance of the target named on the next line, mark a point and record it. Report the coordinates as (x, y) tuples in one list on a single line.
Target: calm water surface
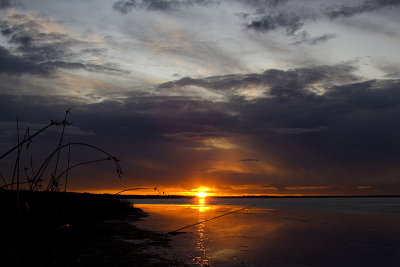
[(309, 232)]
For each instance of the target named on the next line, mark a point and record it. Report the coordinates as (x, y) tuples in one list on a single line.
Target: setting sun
[(201, 194)]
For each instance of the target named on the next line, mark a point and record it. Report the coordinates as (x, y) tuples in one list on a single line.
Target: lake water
[(277, 231)]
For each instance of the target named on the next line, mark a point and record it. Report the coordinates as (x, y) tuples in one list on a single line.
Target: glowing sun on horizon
[(201, 194)]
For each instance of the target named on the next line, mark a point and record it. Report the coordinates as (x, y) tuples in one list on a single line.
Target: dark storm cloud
[(347, 136), (5, 3), (348, 133), (249, 160), (87, 67), (275, 15), (280, 82), (132, 131), (290, 22), (193, 135), (264, 3), (344, 133), (45, 51), (366, 6), (271, 16), (298, 130), (34, 44), (304, 38), (12, 64), (125, 6)]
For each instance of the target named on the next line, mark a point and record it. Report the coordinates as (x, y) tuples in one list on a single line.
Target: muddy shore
[(70, 229)]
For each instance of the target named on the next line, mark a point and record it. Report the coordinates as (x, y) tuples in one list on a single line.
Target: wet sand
[(71, 229), (262, 237)]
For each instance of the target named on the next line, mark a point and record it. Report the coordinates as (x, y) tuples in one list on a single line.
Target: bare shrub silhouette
[(34, 178)]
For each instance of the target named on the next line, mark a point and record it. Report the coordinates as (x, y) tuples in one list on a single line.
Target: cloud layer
[(125, 6), (256, 96), (35, 50), (290, 138)]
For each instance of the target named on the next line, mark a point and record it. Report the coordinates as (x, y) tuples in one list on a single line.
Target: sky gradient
[(244, 97)]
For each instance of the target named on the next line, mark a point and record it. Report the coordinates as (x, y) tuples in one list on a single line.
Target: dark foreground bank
[(72, 229)]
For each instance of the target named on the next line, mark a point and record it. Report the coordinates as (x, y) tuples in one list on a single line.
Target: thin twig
[(191, 225), (4, 181), (33, 174), (132, 189), (44, 165), (17, 159), (66, 175), (28, 180), (53, 183), (202, 221), (6, 185), (80, 164), (29, 139)]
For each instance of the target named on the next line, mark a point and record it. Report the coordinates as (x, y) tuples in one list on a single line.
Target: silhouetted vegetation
[(42, 226), (71, 229), (34, 177)]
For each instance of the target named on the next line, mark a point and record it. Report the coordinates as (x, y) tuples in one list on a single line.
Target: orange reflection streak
[(200, 237), (202, 205)]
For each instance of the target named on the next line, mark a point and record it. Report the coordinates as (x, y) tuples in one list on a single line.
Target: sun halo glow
[(201, 194)]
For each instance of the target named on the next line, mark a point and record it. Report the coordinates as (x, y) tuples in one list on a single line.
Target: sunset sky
[(241, 97)]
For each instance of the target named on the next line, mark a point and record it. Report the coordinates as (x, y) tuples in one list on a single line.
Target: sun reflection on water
[(200, 238), (202, 205)]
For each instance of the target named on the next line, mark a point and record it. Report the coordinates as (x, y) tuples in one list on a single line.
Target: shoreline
[(249, 196), (74, 229), (82, 229), (359, 205)]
